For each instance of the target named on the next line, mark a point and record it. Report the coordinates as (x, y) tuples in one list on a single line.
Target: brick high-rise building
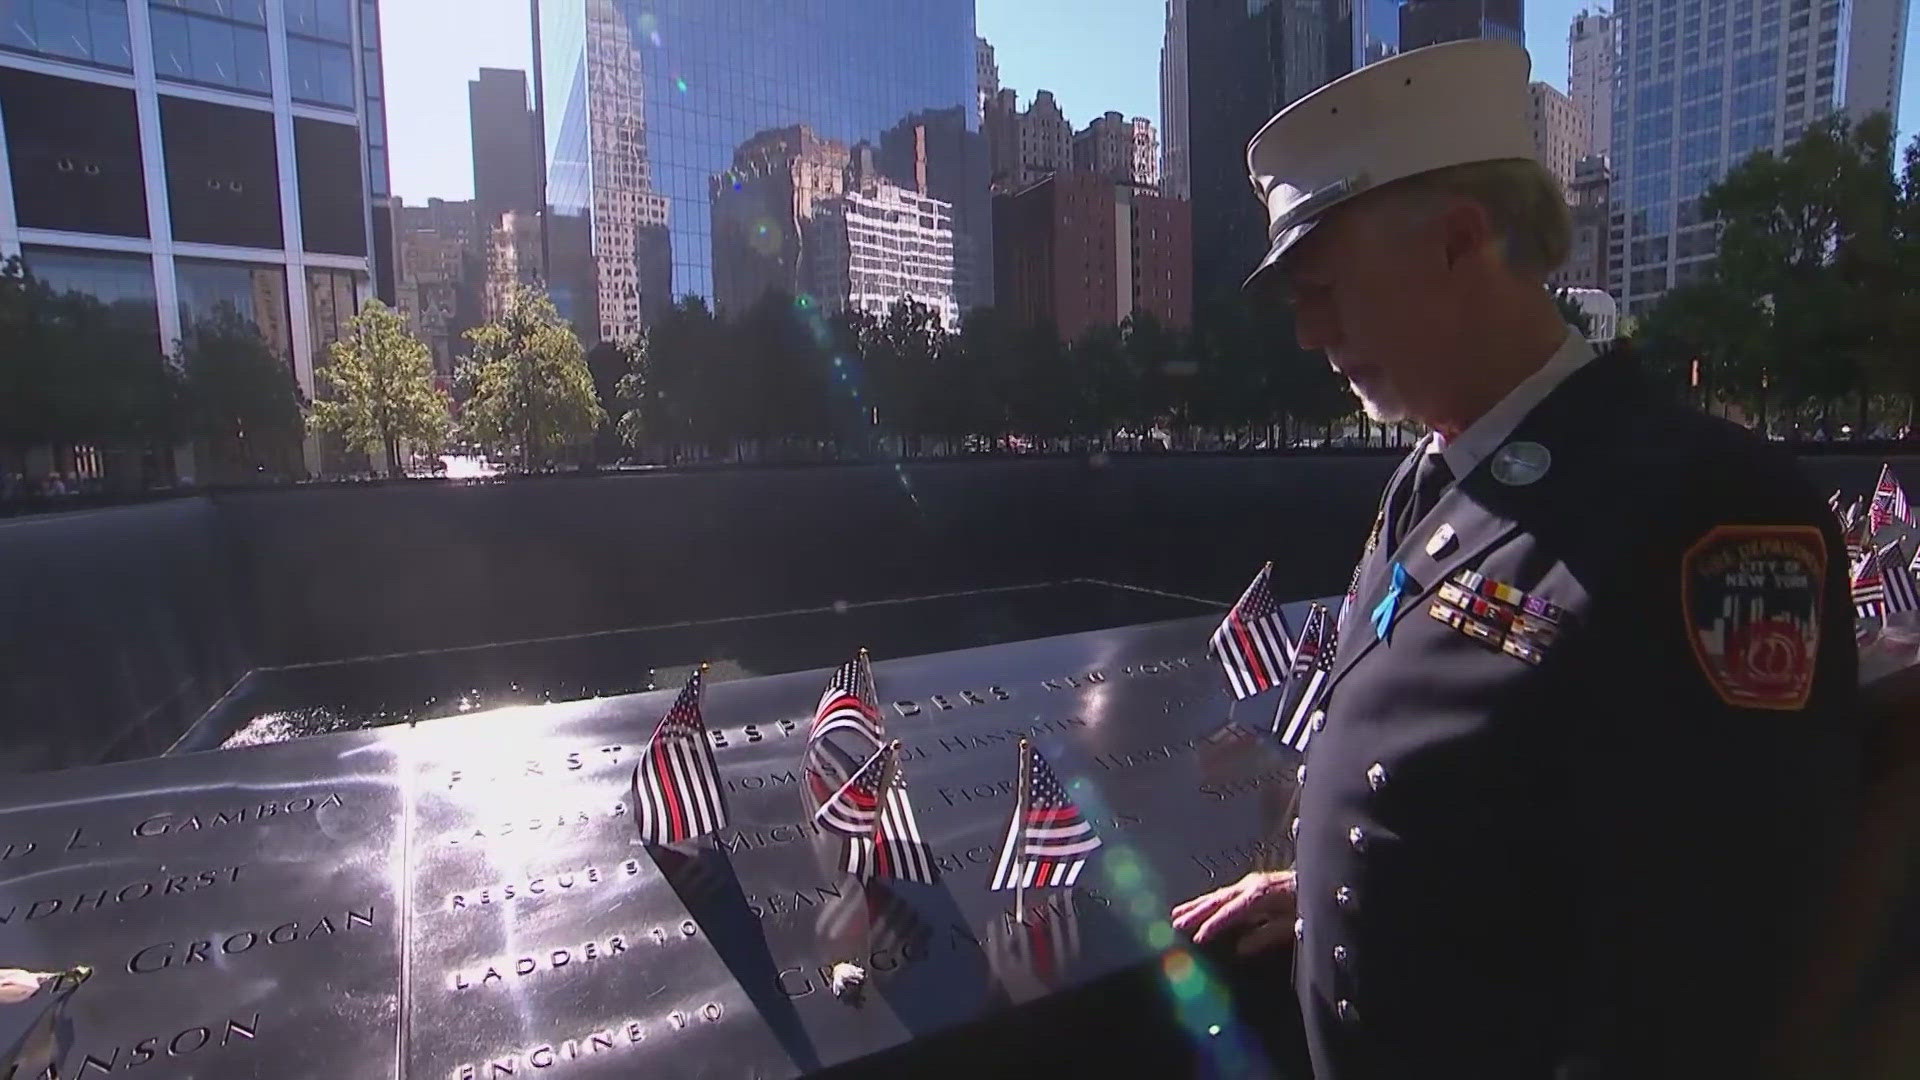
[(513, 259), (1590, 57), (1587, 197), (1078, 251), (1124, 151), (1559, 132), (442, 266)]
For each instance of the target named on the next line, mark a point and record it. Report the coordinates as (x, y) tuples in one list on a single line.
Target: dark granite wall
[(117, 627)]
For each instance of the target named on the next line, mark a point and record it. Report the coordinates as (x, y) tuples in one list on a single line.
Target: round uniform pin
[(1521, 463)]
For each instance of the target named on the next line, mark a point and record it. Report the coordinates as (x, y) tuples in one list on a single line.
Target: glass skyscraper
[(178, 157), (1246, 60), (1701, 84), (719, 148)]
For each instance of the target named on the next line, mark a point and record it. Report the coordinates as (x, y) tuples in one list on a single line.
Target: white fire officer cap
[(1425, 109)]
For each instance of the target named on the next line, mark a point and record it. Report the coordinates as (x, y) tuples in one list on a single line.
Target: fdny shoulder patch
[(1751, 596)]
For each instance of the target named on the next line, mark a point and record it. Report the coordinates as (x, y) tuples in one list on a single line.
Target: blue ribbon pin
[(1383, 612)]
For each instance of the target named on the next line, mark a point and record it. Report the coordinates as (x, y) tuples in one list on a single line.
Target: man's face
[(1368, 287)]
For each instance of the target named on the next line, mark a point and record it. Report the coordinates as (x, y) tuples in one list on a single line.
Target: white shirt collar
[(1474, 445)]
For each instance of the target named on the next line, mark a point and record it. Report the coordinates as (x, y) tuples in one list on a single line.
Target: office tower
[(1046, 140), (442, 266), (1025, 146), (1079, 251), (1702, 84), (513, 260), (1174, 177), (1431, 22), (1590, 57), (172, 158), (1559, 132), (1245, 62), (1587, 199), (505, 152), (643, 104), (1122, 150), (986, 72)]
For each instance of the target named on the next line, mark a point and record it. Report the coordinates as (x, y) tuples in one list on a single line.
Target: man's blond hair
[(1521, 198)]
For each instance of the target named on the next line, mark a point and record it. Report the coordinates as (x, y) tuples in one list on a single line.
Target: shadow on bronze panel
[(708, 885)]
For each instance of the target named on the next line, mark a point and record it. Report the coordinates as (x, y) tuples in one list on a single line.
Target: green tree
[(76, 370), (378, 388), (1811, 280), (241, 401), (528, 391)]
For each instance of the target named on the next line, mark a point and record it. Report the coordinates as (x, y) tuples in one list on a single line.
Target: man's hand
[(1259, 907)]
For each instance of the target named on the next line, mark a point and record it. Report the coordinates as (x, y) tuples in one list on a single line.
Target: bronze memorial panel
[(468, 898)]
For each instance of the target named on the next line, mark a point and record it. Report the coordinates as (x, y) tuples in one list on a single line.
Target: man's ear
[(1466, 231)]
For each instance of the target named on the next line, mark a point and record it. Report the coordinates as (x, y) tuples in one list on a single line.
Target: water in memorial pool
[(280, 704)]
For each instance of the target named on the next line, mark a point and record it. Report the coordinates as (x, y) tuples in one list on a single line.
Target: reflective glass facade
[(86, 31), (1699, 85), (693, 141)]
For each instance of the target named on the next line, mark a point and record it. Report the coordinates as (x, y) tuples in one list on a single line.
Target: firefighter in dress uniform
[(1591, 736)]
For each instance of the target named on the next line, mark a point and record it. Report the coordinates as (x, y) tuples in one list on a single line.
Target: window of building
[(74, 151), (89, 31), (256, 293), (124, 283), (320, 72), (198, 48), (332, 298), (223, 179)]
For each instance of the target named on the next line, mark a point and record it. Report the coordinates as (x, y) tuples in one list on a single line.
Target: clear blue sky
[(1114, 64)]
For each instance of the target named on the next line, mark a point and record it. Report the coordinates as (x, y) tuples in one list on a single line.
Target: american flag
[(849, 701), (1252, 643), (676, 789), (1312, 666), (1048, 839), (873, 812), (846, 728), (1869, 589), (1897, 579), (1889, 501), (1854, 528)]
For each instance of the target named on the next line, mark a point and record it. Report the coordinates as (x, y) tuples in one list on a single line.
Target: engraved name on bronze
[(571, 817), (87, 902), (959, 744), (554, 765), (497, 972), (561, 881), (162, 955), (1132, 671), (177, 824), (1116, 762), (1233, 789), (956, 699), (185, 1043), (618, 1036), (1234, 859), (753, 733)]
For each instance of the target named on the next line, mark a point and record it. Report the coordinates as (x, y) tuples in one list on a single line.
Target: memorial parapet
[(468, 898)]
